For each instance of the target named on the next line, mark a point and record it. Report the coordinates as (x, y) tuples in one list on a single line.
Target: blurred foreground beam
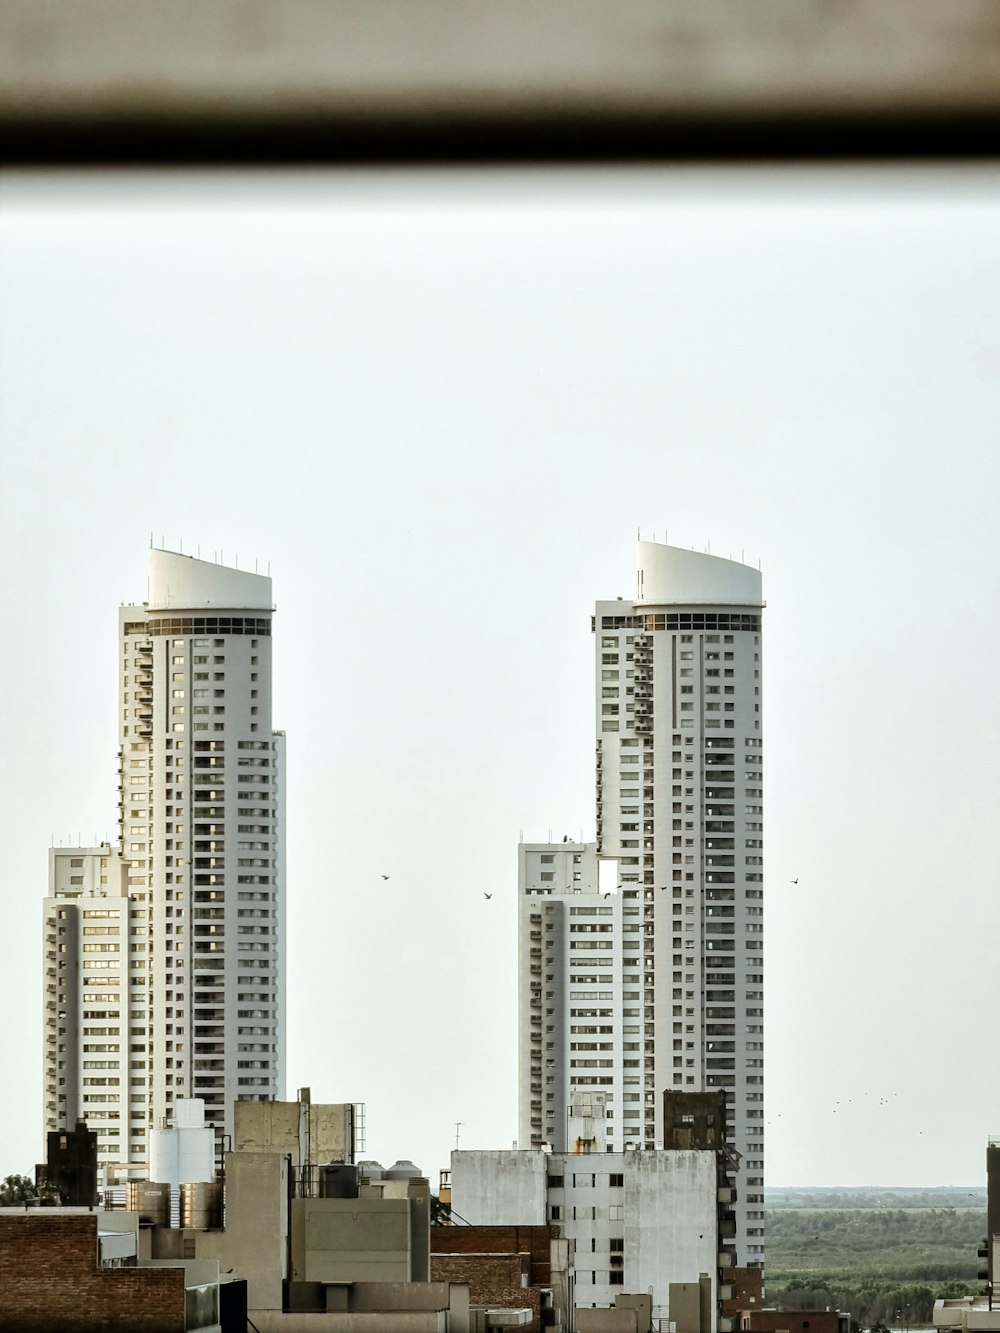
[(328, 81)]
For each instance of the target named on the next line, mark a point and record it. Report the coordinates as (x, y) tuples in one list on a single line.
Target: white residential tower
[(165, 955), (640, 955)]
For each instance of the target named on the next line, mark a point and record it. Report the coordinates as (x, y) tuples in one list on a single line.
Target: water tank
[(151, 1200), (201, 1205), (403, 1170), (371, 1170), (338, 1180)]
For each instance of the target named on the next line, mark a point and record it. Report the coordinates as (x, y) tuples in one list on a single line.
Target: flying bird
[(487, 895), (793, 881), (385, 876)]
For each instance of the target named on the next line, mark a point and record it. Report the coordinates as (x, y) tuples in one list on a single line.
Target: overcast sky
[(441, 405)]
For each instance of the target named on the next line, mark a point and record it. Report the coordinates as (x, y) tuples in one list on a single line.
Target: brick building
[(743, 1292), (794, 1321), (506, 1267), (52, 1280)]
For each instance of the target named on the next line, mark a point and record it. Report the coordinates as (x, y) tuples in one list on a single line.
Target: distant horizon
[(879, 1189)]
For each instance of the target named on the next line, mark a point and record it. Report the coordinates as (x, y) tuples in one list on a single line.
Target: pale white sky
[(441, 405)]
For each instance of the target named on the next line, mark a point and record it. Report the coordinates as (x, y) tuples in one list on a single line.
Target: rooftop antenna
[(199, 550), (163, 541), (458, 1131), (708, 548), (742, 557), (180, 545)]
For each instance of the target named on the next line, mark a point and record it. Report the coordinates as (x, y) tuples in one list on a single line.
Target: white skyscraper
[(165, 956), (641, 955)]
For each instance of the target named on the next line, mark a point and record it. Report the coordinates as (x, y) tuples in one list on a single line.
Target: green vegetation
[(15, 1190), (883, 1255)]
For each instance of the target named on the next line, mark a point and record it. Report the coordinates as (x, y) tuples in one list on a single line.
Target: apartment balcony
[(209, 1065)]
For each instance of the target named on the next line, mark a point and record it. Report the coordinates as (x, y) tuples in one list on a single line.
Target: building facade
[(637, 1221), (641, 954), (164, 955)]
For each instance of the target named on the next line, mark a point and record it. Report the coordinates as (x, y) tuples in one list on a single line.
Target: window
[(616, 1180)]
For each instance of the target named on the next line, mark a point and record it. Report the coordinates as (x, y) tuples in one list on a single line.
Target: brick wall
[(795, 1321), (531, 1240), (494, 1279), (748, 1291), (50, 1280)]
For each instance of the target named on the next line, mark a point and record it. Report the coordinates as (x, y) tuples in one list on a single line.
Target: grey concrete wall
[(274, 1127), (685, 1306), (641, 1303), (499, 1187), (395, 1321), (254, 1241), (267, 1127), (617, 1319), (369, 1296), (351, 1240)]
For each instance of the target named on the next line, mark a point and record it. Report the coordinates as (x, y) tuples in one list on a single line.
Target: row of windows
[(682, 620), (201, 625)]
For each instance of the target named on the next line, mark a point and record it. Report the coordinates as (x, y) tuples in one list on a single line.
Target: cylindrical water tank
[(195, 1154), (338, 1180), (150, 1199), (371, 1170), (201, 1205), (163, 1146), (403, 1170)]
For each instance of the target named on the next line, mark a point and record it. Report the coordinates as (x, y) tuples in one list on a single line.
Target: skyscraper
[(641, 954), (164, 966)]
